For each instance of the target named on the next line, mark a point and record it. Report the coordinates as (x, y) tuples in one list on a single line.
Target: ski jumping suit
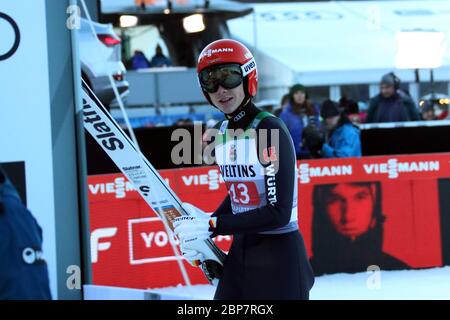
[(267, 259)]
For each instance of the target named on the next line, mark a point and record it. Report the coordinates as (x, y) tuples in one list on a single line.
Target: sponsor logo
[(238, 208), (271, 184), (233, 153), (119, 187), (131, 168), (237, 171), (149, 242), (159, 239), (145, 190), (270, 154), (248, 67), (15, 45), (393, 167), (97, 245), (303, 15), (306, 172), (105, 136), (239, 116), (32, 256), (212, 179), (210, 52), (223, 127)]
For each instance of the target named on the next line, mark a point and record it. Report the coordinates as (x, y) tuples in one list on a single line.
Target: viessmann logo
[(119, 187), (307, 172), (212, 179), (210, 52), (393, 168)]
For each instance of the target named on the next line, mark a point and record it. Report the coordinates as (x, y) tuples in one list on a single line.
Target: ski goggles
[(228, 76)]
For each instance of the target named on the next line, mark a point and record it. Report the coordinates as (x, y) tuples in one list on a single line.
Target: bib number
[(243, 193)]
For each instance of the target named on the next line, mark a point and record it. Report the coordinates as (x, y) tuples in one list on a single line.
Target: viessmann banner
[(384, 212)]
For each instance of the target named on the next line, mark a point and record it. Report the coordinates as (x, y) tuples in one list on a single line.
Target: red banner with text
[(383, 211)]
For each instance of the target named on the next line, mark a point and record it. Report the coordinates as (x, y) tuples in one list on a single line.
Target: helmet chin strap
[(244, 102)]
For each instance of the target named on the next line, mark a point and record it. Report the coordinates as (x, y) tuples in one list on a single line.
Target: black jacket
[(23, 271), (379, 104)]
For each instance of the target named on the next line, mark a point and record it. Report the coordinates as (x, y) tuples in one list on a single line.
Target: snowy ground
[(410, 284)]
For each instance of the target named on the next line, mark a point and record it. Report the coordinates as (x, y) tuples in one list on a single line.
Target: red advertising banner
[(129, 245), (382, 211), (410, 167), (399, 195)]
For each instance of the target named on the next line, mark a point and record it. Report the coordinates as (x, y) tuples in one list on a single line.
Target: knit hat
[(349, 106), (390, 79), (352, 107), (295, 88), (329, 109)]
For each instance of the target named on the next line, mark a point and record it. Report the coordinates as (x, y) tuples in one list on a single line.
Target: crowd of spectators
[(330, 129)]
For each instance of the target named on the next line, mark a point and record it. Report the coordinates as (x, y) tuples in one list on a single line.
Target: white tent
[(336, 43)]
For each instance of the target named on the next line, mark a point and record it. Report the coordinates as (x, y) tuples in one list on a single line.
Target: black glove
[(313, 139)]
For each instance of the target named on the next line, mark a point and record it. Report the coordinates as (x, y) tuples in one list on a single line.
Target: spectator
[(392, 104), (427, 111), (298, 114), (283, 103), (139, 61), (351, 109), (313, 139), (159, 59), (23, 271), (343, 137), (363, 108)]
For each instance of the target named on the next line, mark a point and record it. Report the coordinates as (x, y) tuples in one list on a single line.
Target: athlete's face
[(350, 209), (228, 100)]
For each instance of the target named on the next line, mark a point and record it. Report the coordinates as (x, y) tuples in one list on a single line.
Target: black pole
[(432, 84)]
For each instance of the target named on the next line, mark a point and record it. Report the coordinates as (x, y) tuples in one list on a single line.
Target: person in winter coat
[(392, 104), (139, 61), (268, 258), (23, 271), (343, 137), (159, 59), (297, 115)]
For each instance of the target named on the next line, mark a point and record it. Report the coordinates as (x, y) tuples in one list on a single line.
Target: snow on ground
[(409, 284)]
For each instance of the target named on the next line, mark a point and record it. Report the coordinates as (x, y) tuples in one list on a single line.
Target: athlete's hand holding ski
[(192, 231)]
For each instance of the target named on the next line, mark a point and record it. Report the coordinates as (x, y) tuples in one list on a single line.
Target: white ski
[(140, 172)]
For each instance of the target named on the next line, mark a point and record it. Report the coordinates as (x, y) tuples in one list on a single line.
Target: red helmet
[(228, 51)]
